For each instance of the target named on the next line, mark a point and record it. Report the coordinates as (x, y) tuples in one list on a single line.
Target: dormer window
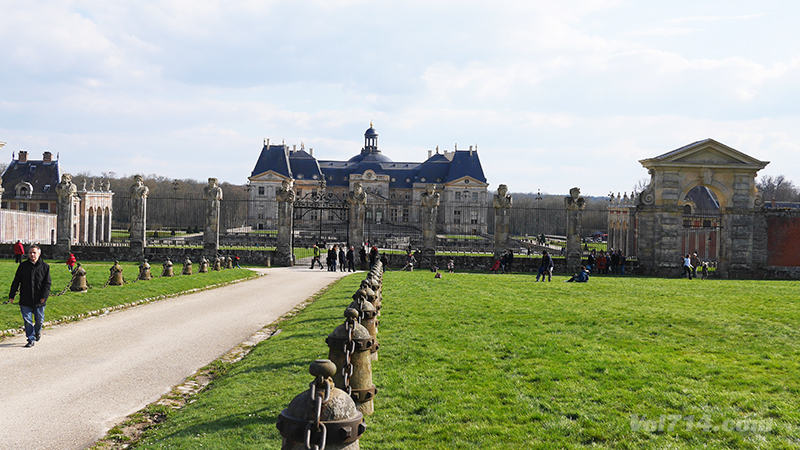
[(32, 169)]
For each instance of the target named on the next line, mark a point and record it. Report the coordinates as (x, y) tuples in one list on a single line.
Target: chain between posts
[(349, 349), (69, 283), (317, 426)]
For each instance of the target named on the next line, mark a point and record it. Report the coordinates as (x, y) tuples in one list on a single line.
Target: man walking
[(33, 280)]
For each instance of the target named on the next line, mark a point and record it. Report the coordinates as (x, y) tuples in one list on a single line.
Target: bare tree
[(778, 188)]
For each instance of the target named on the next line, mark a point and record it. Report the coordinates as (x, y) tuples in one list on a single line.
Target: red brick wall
[(783, 241)]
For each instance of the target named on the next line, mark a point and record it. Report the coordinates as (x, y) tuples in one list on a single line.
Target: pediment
[(466, 181), (706, 153), (269, 175)]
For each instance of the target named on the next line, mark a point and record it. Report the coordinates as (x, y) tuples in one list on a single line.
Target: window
[(44, 207), (456, 216), (261, 190), (473, 219), (458, 196), (475, 197), (393, 214), (405, 214), (23, 206)]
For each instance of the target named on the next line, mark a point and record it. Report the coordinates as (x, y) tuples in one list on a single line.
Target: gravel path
[(83, 378)]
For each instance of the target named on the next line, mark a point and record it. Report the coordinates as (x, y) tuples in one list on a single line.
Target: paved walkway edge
[(99, 312), (133, 427)]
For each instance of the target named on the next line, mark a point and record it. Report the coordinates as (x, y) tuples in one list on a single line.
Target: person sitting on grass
[(581, 277)]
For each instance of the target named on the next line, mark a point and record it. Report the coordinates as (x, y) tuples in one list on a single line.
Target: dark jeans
[(29, 314)]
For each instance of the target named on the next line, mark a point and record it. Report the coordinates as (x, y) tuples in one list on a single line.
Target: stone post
[(357, 200), (212, 195), (285, 197), (139, 194), (575, 204), (502, 219), (430, 213), (66, 191)]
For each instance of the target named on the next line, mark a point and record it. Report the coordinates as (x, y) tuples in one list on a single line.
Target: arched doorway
[(701, 224)]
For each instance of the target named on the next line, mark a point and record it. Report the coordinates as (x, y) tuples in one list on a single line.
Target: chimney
[(470, 150), (311, 152), (267, 142), (47, 157), (294, 148), (430, 153), (23, 156)]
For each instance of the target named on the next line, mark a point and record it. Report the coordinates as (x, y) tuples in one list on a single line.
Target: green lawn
[(499, 362), (74, 303)]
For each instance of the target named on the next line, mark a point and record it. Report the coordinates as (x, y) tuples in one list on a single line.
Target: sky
[(555, 94)]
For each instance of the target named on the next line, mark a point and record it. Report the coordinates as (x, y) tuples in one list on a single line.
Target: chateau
[(393, 188)]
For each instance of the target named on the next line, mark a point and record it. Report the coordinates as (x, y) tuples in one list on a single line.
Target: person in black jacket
[(33, 280)]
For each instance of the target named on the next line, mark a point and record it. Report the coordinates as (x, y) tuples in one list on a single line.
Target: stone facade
[(730, 176), (393, 190)]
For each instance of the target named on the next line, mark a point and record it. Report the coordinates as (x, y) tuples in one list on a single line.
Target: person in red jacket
[(19, 250), (33, 280), (71, 262)]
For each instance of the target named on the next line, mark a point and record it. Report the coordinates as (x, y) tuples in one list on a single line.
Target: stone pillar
[(430, 213), (357, 200), (574, 204), (502, 219), (66, 191), (139, 194), (212, 195), (285, 197)]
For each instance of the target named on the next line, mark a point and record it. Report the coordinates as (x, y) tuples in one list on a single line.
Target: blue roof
[(275, 158), (436, 169), (465, 163), (304, 166)]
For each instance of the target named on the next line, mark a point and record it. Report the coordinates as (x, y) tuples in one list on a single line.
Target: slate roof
[(304, 166), (439, 168), (43, 176), (275, 158), (466, 164)]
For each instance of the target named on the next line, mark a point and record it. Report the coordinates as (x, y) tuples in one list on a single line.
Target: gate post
[(213, 195), (357, 201), (502, 219), (66, 191), (285, 197), (138, 213), (430, 214), (574, 204)]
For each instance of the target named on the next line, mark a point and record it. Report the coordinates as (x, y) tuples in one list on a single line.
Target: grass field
[(499, 362), (74, 303)]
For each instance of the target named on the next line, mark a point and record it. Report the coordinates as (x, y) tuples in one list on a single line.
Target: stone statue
[(187, 266), (575, 201), (144, 270), (167, 272), (323, 186), (228, 262), (286, 193), (91, 186), (212, 191), (66, 188), (83, 185), (502, 199), (217, 264), (116, 275), (79, 280), (203, 265), (430, 198), (357, 195), (139, 189)]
